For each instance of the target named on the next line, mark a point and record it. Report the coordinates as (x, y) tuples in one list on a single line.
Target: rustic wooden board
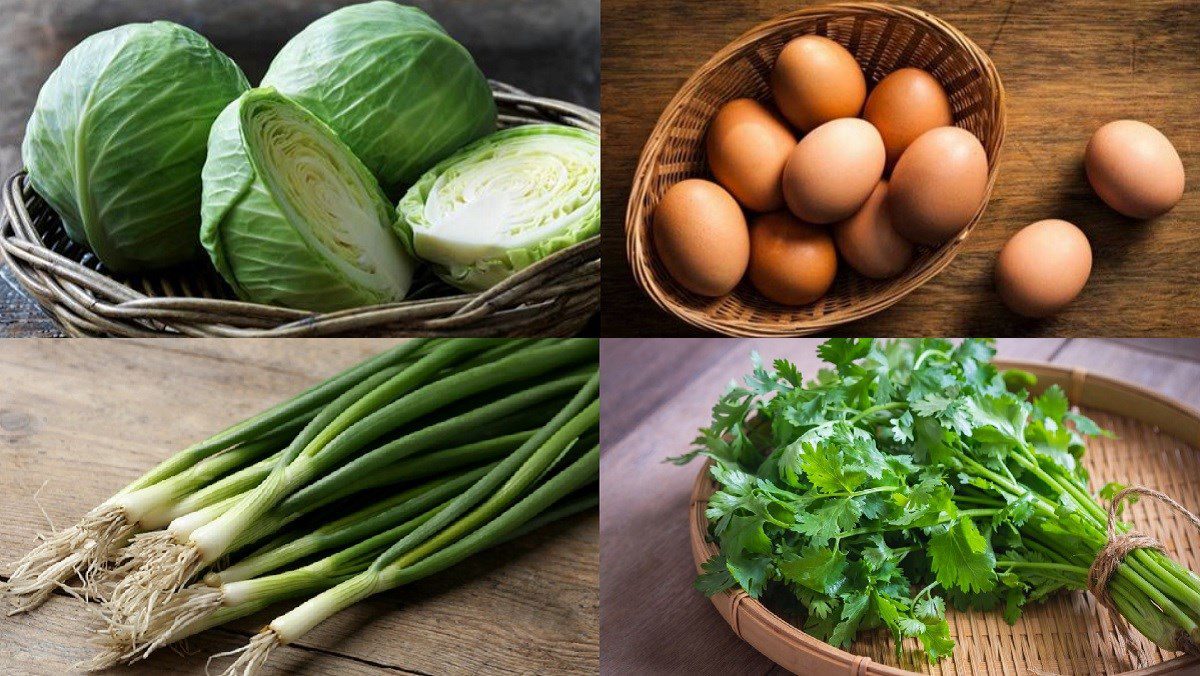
[(1068, 67), (653, 620), (80, 418)]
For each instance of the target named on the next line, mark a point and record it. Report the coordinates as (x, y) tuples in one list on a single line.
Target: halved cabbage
[(291, 217), (504, 202), (394, 86), (117, 140)]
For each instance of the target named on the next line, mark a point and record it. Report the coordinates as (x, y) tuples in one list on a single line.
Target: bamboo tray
[(553, 297), (883, 38), (1156, 446)]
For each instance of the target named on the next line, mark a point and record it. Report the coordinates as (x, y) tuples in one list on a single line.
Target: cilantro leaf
[(715, 578), (818, 568), (961, 557), (854, 606), (842, 351)]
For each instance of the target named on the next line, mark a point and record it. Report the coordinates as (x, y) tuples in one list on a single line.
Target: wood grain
[(80, 418), (652, 620), (1068, 67)]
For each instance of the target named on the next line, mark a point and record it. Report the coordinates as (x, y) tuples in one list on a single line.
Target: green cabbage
[(291, 217), (117, 140), (394, 86), (504, 202)]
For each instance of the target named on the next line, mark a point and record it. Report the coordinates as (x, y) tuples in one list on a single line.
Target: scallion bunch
[(387, 473)]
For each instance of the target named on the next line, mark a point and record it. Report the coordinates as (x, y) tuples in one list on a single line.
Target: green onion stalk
[(243, 597), (85, 550), (522, 459), (388, 572), (327, 455), (288, 511), (189, 609)]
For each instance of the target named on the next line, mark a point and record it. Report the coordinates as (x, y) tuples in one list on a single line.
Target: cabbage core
[(504, 202)]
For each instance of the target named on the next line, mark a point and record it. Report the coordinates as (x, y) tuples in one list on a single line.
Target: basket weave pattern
[(553, 297), (883, 38), (1157, 445)]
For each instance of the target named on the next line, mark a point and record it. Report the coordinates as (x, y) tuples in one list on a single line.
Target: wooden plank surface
[(1068, 68), (653, 620), (80, 418)]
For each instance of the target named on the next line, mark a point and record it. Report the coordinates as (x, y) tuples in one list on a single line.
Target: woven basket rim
[(564, 286), (636, 221), (1180, 420)]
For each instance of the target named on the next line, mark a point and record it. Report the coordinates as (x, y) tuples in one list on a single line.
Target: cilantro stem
[(970, 513), (865, 491), (1079, 573), (928, 353), (1146, 567), (871, 410)]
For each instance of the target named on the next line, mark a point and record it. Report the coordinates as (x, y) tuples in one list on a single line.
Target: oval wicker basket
[(1156, 446), (554, 297), (882, 38)]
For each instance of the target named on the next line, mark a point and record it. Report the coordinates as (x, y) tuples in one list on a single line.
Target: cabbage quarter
[(291, 217), (503, 203)]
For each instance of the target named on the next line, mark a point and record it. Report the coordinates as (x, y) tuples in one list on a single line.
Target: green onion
[(86, 549), (382, 576), (162, 563)]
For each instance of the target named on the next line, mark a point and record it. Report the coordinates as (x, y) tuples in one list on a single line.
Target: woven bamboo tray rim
[(744, 312), (1131, 411), (553, 297)]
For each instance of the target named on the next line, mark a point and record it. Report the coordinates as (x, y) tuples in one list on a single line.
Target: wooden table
[(1068, 67), (78, 419), (655, 394)]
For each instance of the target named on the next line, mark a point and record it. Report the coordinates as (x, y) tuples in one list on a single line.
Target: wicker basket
[(883, 38), (1156, 446), (553, 297)]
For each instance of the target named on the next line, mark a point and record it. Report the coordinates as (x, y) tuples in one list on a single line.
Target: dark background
[(1068, 67), (546, 47)]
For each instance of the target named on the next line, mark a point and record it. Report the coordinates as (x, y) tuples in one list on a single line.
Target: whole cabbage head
[(394, 86), (292, 217), (503, 203), (117, 140)]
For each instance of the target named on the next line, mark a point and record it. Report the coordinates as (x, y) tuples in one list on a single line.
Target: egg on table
[(1134, 169), (1043, 268), (701, 237), (869, 243), (747, 145), (791, 262), (816, 80), (938, 185), (833, 170), (904, 105)]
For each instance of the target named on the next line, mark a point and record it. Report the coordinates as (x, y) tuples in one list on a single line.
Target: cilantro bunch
[(909, 475)]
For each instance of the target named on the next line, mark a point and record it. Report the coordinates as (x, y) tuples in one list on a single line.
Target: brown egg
[(938, 185), (868, 241), (904, 105), (747, 145), (816, 80), (1134, 169), (1043, 268), (791, 262), (701, 237), (833, 170)]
